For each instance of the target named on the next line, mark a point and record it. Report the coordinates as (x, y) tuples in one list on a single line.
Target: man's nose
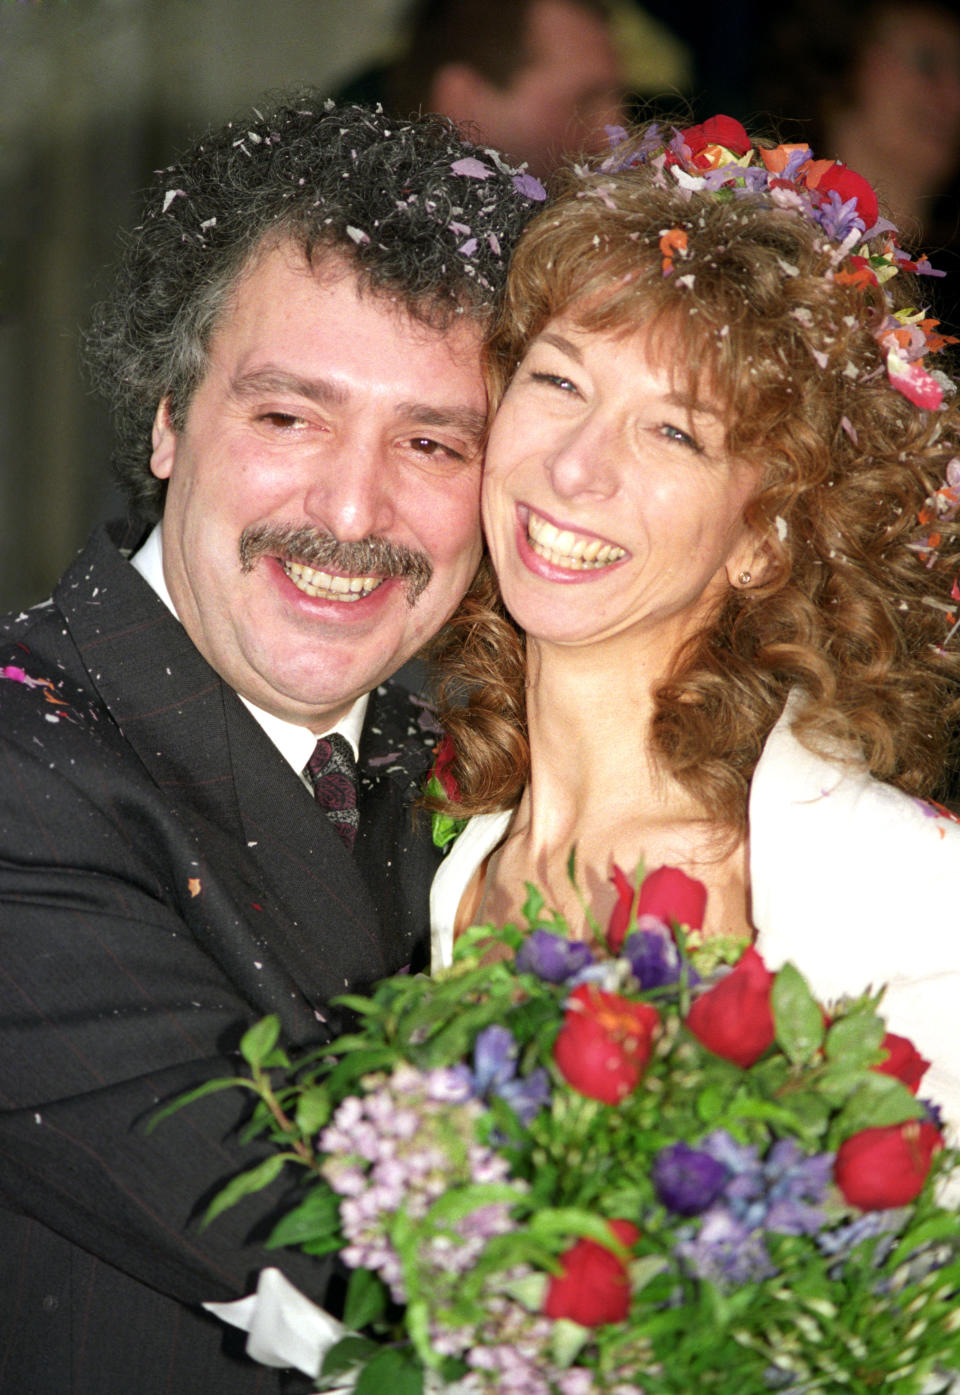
[(350, 493)]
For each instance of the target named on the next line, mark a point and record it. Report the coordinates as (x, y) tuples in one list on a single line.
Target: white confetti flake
[(169, 197)]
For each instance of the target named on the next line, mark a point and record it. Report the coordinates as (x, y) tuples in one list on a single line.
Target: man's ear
[(164, 442), (461, 93)]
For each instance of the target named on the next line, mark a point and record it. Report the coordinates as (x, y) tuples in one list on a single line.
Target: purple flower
[(725, 1251), (687, 1180), (653, 955), (526, 1095), (494, 1059), (495, 1073), (551, 957)]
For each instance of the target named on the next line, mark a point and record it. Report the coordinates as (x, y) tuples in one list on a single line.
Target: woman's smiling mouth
[(561, 547)]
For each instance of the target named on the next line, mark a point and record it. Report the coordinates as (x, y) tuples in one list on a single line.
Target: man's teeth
[(565, 549), (323, 586)]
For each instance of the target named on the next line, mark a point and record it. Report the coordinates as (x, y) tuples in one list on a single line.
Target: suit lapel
[(222, 775)]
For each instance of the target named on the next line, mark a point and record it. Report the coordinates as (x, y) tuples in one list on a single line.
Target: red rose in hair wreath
[(718, 130)]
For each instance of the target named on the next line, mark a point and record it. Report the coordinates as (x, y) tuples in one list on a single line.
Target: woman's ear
[(751, 564), (164, 442)]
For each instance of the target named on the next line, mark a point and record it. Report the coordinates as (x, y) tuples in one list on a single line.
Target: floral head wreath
[(718, 157)]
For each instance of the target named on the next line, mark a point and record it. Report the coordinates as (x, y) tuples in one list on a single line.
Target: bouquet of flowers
[(644, 1163)]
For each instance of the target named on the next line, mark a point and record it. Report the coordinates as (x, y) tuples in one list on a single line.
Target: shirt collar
[(294, 742)]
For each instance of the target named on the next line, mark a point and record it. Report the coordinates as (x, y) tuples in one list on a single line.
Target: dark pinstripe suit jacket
[(165, 880)]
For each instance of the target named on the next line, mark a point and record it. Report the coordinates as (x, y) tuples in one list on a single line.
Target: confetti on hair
[(672, 241), (717, 157)]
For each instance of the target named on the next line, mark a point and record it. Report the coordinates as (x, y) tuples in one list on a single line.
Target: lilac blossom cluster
[(740, 1197), (509, 1353), (396, 1151)]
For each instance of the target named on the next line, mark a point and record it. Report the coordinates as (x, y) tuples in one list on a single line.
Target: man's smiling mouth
[(326, 587), (563, 548)]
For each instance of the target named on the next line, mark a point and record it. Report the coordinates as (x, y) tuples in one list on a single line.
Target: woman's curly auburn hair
[(851, 612)]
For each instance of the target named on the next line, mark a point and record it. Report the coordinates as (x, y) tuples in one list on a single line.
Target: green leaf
[(348, 1352), (532, 906), (855, 1039), (567, 1341), (797, 1016), (366, 1299), (211, 1087), (316, 1218), (259, 1040), (878, 1101), (253, 1180), (313, 1110), (396, 1372)]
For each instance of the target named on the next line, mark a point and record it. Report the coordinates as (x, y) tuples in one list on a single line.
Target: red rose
[(850, 185), (671, 895), (903, 1061), (734, 1019), (717, 130), (604, 1044), (620, 916), (442, 763), (594, 1286), (879, 1168)]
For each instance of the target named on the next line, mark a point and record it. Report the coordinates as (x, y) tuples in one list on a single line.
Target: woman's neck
[(597, 787)]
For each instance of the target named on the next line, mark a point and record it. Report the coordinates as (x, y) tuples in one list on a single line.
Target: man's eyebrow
[(466, 420), (319, 390), (326, 394)]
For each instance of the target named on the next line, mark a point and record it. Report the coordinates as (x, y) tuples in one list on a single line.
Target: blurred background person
[(876, 84), (537, 79)]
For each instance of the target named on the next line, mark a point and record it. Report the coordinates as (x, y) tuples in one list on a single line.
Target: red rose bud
[(734, 1019), (671, 895), (717, 130), (850, 185), (622, 913), (594, 1287), (879, 1168), (442, 763), (903, 1061), (605, 1042)]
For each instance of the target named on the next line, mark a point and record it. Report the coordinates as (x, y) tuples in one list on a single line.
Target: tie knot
[(332, 771)]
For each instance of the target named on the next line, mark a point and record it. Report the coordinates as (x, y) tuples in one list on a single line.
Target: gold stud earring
[(744, 579)]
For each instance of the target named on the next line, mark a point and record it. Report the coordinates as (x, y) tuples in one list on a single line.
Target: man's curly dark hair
[(423, 215)]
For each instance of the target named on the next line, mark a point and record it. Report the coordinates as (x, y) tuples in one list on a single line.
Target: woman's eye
[(556, 380), (682, 438)]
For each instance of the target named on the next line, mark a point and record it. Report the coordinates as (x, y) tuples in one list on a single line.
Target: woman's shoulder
[(480, 835), (858, 885)]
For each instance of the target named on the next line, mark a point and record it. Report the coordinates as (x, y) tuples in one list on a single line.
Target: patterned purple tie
[(332, 771)]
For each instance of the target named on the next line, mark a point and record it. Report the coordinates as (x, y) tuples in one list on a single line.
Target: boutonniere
[(442, 784)]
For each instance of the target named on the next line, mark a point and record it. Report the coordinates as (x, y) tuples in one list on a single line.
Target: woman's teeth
[(323, 586), (572, 550)]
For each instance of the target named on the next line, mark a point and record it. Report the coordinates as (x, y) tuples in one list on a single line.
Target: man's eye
[(283, 421), (426, 445)]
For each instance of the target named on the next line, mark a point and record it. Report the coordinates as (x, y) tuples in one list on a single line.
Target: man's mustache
[(372, 556)]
